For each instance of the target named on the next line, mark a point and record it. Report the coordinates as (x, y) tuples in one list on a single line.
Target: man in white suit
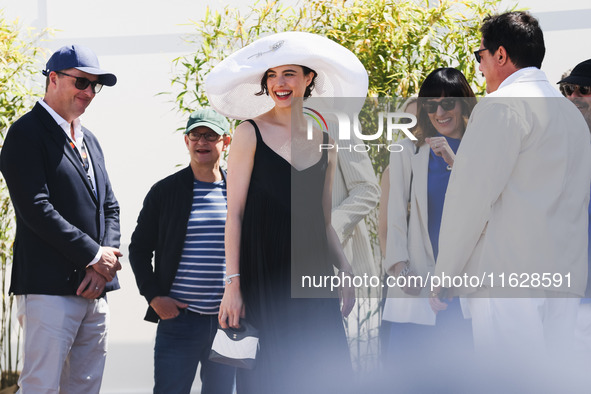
[(576, 86), (516, 204)]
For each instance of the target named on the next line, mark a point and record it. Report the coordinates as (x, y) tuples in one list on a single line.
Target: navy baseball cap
[(80, 58)]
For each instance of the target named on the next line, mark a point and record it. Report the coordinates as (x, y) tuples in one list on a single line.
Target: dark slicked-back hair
[(519, 33)]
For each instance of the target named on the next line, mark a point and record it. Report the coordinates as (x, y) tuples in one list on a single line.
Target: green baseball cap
[(208, 118)]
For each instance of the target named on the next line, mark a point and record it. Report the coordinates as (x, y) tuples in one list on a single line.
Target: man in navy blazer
[(67, 234)]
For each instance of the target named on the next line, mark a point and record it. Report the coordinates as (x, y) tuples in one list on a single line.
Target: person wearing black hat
[(67, 230), (182, 226), (577, 88)]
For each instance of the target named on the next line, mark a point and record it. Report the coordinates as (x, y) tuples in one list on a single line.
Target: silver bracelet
[(228, 279)]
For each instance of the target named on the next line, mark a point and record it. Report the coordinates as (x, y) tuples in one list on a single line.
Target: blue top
[(199, 280), (437, 180)]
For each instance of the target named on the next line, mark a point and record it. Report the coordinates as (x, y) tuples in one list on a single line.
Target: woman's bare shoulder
[(244, 135)]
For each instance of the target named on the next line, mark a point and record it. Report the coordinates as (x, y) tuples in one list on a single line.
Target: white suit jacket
[(518, 195), (355, 193), (408, 243)]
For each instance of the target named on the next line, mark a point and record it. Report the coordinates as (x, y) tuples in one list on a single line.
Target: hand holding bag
[(236, 347)]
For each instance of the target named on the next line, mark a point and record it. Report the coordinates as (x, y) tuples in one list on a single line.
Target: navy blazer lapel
[(97, 161), (59, 137)]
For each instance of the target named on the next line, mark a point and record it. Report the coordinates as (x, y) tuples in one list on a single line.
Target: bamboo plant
[(19, 52)]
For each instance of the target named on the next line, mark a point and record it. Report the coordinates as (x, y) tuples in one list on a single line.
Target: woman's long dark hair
[(442, 82)]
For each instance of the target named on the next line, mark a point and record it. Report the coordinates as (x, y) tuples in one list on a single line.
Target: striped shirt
[(199, 280)]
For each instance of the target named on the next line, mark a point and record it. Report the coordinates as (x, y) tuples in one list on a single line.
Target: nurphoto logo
[(389, 122)]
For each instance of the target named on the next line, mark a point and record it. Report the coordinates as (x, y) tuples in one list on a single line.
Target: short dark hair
[(442, 82), (47, 80), (309, 88), (519, 33)]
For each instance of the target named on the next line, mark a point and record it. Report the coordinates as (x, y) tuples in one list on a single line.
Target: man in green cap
[(182, 225)]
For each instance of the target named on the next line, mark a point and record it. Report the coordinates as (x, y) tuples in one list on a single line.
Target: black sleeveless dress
[(303, 348)]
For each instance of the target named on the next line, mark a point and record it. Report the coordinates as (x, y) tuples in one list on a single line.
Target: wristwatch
[(228, 279)]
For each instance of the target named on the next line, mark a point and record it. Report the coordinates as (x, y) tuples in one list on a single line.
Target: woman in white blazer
[(418, 179), (409, 107)]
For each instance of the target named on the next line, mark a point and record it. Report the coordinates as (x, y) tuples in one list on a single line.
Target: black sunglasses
[(447, 104), (209, 136), (568, 88), (82, 83), (477, 54)]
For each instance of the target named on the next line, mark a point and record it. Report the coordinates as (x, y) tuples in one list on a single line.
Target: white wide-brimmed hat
[(231, 85)]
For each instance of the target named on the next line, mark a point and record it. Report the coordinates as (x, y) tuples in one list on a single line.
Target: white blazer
[(355, 194), (518, 195), (408, 243)]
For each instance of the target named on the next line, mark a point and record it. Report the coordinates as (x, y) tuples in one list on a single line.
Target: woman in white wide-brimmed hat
[(278, 228)]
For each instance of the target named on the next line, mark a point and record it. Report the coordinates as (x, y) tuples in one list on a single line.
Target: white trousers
[(523, 327), (64, 343), (583, 330)]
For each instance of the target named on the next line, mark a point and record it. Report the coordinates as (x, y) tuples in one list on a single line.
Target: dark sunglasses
[(209, 136), (82, 83), (447, 104), (568, 88), (477, 54)]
